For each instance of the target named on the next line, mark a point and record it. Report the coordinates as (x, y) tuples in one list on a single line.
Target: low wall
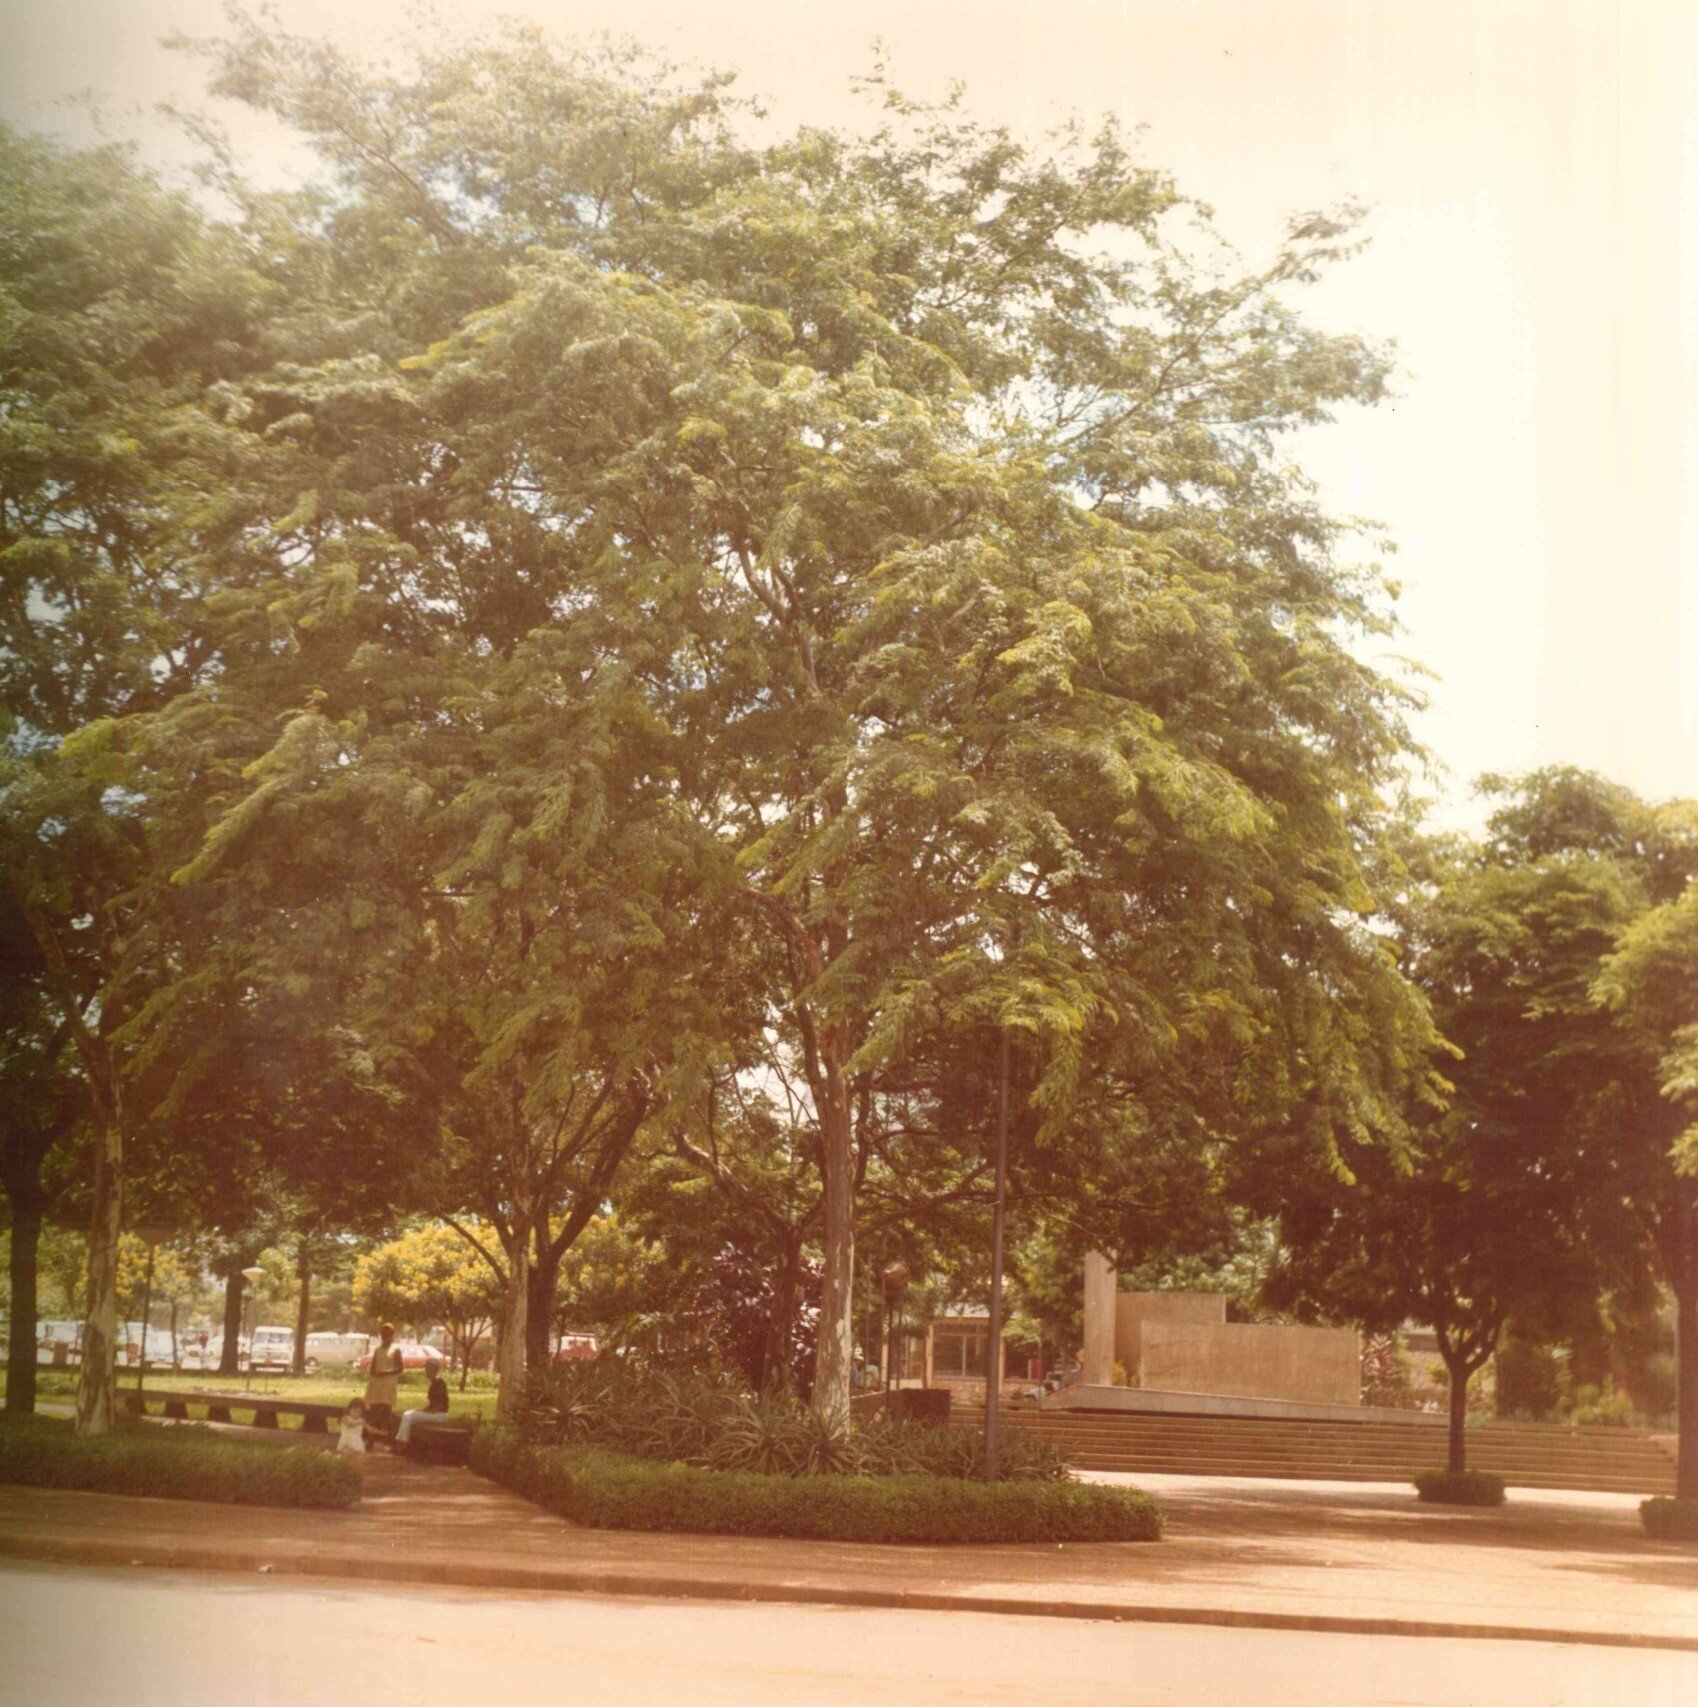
[(1309, 1365)]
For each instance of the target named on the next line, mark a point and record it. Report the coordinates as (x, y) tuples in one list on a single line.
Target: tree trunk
[(230, 1353), (834, 1357), (1458, 1440), (97, 1383), (303, 1273), (1686, 1349), (510, 1350), (775, 1372), (26, 1243), (539, 1310)]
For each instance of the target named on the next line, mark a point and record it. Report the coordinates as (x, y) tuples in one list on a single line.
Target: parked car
[(274, 1349), (160, 1349), (338, 1349), (574, 1348), (414, 1355), (58, 1342)]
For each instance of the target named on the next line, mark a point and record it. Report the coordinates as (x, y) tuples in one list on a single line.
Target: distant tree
[(611, 1280), (1649, 985), (1553, 953), (428, 1275), (1460, 1232)]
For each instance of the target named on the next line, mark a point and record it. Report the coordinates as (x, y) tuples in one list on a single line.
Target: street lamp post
[(252, 1276), (892, 1284), (993, 1349)]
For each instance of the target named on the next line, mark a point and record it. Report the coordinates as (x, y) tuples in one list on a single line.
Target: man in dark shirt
[(435, 1405)]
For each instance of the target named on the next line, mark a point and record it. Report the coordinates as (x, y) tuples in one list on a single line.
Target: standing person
[(383, 1384), (435, 1405)]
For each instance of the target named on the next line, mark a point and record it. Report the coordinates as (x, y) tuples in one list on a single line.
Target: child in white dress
[(352, 1437)]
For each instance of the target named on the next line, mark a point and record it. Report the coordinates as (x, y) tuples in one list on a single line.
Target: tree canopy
[(629, 607)]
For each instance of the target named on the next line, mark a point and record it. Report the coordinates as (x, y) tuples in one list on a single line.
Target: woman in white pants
[(435, 1407)]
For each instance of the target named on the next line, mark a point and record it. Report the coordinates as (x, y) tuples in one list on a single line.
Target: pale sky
[(1533, 170)]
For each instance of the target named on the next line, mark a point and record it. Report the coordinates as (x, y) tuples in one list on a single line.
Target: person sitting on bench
[(435, 1406)]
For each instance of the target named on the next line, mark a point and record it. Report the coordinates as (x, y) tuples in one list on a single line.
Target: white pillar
[(1101, 1286)]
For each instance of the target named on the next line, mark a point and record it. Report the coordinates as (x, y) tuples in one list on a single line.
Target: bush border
[(608, 1490), (1459, 1487), (1669, 1518), (181, 1462)]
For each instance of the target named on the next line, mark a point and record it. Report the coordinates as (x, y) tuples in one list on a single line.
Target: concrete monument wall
[(1133, 1311), (1181, 1342), (1097, 1354), (1316, 1365)]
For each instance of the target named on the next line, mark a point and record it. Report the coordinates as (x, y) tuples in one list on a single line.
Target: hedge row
[(607, 1490), (181, 1463), (1459, 1487)]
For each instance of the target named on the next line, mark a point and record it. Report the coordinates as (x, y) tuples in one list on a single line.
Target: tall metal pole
[(993, 1350), (147, 1311), (253, 1276)]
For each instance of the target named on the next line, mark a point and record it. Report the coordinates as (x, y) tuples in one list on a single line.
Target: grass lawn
[(328, 1387)]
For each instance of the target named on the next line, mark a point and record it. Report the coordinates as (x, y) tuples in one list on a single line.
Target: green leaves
[(645, 609)]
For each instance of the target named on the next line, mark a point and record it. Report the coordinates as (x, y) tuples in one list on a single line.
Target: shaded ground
[(170, 1639), (1301, 1552)]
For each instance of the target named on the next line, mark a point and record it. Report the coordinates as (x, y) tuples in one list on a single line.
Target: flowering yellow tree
[(431, 1274)]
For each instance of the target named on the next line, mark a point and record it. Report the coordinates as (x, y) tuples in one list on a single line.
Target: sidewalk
[(1317, 1556)]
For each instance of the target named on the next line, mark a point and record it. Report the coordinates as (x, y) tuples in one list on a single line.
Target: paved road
[(74, 1636)]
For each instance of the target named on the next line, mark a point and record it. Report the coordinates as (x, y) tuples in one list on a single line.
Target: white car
[(327, 1348), (274, 1349), (58, 1342)]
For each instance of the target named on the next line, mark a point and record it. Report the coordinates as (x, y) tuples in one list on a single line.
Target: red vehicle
[(574, 1348), (413, 1356)]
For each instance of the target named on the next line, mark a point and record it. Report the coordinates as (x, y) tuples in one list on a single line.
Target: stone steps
[(1342, 1451), (1526, 1455)]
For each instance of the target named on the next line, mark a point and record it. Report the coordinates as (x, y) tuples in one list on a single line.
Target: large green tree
[(123, 306), (1548, 1173), (644, 587), (910, 510)]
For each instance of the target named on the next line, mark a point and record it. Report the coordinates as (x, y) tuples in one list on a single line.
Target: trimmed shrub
[(181, 1463), (1460, 1487), (607, 1490), (1670, 1520)]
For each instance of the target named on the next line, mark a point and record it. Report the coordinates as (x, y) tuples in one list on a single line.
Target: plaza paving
[(1345, 1557)]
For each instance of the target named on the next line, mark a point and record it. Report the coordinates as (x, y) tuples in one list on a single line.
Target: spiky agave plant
[(765, 1433), (830, 1447)]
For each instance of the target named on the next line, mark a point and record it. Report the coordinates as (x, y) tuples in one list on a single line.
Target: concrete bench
[(266, 1408), (441, 1442)]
